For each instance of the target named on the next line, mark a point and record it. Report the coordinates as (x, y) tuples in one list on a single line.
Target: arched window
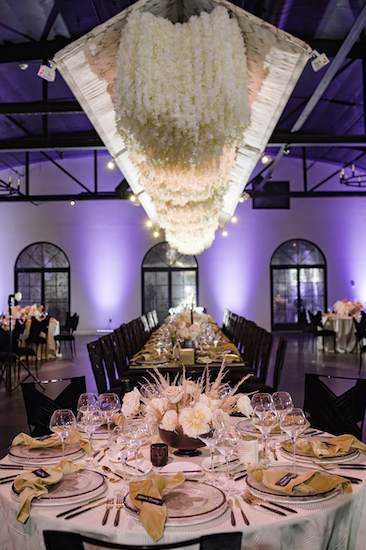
[(168, 278), (42, 275), (298, 281)]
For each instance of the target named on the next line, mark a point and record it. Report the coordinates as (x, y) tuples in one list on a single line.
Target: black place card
[(40, 473), (285, 480), (150, 500)]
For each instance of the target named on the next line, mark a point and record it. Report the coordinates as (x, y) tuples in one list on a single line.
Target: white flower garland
[(181, 103)]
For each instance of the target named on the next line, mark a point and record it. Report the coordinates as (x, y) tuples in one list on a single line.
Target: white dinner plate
[(260, 490), (155, 362), (339, 459), (142, 464), (189, 503), (219, 464), (21, 454), (73, 488), (189, 469)]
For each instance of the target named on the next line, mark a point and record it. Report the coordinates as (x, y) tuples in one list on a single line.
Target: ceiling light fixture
[(23, 66), (72, 203), (349, 178), (234, 219), (265, 159), (156, 234), (149, 223), (224, 233), (110, 164)]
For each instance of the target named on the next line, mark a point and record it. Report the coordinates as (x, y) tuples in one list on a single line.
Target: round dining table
[(337, 523), (345, 334)]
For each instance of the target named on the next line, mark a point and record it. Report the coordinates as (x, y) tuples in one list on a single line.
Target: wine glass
[(89, 418), (293, 423), (86, 399), (119, 443), (264, 418), (261, 399), (282, 400), (109, 403), (209, 439), (62, 422), (136, 433), (226, 443)]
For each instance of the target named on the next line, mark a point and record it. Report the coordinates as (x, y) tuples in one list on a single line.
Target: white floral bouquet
[(191, 407), (181, 326), (347, 307)]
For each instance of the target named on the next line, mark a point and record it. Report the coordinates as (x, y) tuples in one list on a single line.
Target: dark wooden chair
[(40, 401), (337, 414), (360, 338), (66, 540)]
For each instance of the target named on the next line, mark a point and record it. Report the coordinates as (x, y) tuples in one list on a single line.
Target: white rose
[(191, 387), (195, 421), (244, 405), (169, 421), (161, 404), (174, 393), (131, 403)]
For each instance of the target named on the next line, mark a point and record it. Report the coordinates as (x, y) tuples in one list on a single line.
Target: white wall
[(106, 241)]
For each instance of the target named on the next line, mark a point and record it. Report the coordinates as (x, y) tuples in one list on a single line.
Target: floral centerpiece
[(192, 408), (347, 307), (187, 325)]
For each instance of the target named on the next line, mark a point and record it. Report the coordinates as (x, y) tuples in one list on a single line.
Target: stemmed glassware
[(209, 439), (264, 418), (62, 422), (109, 404), (89, 418), (262, 399), (293, 423), (87, 399), (226, 442), (136, 432), (282, 400), (119, 443)]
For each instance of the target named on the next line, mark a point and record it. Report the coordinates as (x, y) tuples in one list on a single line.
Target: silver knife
[(78, 507)]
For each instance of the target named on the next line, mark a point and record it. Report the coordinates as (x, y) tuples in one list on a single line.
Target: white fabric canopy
[(275, 62)]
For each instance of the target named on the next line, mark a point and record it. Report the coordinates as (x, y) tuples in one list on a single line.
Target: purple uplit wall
[(106, 241)]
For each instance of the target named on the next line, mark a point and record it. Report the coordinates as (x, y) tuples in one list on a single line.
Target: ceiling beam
[(350, 39), (77, 141), (41, 108), (278, 139), (107, 195), (31, 51)]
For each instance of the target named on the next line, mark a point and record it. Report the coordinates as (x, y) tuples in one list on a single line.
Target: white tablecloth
[(345, 331), (335, 524)]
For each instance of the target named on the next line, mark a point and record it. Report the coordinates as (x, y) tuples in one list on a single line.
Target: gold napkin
[(332, 447), (31, 485), (153, 516), (306, 482), (145, 356), (118, 419), (52, 441)]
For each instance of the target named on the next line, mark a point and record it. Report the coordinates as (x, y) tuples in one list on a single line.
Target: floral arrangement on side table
[(187, 406), (347, 307)]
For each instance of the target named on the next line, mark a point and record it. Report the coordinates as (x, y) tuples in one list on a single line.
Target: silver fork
[(108, 506), (119, 505)]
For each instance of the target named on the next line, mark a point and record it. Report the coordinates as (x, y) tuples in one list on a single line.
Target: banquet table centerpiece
[(345, 308), (183, 410)]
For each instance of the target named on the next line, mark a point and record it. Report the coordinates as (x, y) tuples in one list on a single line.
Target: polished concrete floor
[(299, 360)]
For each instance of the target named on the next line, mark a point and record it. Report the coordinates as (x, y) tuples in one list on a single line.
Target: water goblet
[(86, 399), (89, 418), (109, 403), (136, 432), (293, 422), (264, 418), (283, 402), (261, 399), (62, 422), (119, 443)]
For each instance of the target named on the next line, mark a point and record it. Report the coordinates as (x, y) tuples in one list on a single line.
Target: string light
[(265, 158), (72, 203), (156, 234), (234, 219), (149, 223), (224, 233), (110, 164)]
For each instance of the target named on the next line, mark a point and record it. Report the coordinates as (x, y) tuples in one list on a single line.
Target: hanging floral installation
[(181, 105)]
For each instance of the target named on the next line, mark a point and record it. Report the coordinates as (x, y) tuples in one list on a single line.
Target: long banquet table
[(338, 523)]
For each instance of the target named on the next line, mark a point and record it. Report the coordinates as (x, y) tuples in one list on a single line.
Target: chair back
[(106, 345), (265, 355), (280, 359), (250, 342), (42, 399), (337, 414), (97, 364), (119, 352), (65, 540)]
